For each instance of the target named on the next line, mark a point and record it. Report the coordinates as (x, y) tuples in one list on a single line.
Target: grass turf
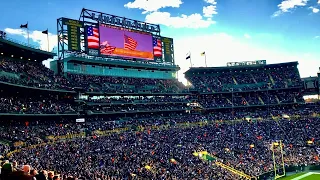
[(310, 177), (291, 177)]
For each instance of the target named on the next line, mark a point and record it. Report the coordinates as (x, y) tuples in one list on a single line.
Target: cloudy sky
[(227, 30)]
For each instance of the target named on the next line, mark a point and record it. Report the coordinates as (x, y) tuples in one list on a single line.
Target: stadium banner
[(117, 41), (73, 27), (157, 49), (92, 40), (168, 53)]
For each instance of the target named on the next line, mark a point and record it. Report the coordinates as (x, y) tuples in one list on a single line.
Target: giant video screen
[(122, 42)]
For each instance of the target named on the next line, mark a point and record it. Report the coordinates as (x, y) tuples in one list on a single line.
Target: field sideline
[(303, 176)]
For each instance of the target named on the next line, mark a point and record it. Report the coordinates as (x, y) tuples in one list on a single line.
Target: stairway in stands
[(271, 78), (260, 99)]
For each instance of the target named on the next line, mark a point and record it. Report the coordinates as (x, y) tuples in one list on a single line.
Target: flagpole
[(48, 40), (28, 33), (205, 59), (190, 59)]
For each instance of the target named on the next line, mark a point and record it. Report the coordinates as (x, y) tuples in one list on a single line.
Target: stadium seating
[(149, 147), (237, 79), (36, 75), (34, 106), (136, 129)]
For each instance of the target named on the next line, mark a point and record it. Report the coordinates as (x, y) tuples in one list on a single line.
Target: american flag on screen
[(108, 50), (130, 43), (93, 37), (157, 47)]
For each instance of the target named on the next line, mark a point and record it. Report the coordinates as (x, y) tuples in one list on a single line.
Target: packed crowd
[(32, 74), (138, 107), (37, 75), (48, 104), (35, 105), (284, 77), (140, 99), (155, 145), (166, 152), (124, 84), (250, 99), (52, 104)]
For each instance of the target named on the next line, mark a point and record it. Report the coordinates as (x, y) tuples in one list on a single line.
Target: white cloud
[(37, 37), (213, 1), (152, 5), (316, 37), (318, 1), (208, 11), (287, 5), (222, 48), (247, 36), (196, 20), (183, 21), (314, 10)]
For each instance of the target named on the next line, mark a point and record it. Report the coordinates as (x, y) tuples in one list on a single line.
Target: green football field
[(303, 176)]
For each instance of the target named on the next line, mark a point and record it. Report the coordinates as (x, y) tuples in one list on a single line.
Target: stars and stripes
[(108, 50), (93, 37), (157, 47), (130, 43)]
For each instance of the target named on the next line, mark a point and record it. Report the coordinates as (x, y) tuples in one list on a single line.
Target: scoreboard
[(167, 49), (109, 36), (73, 28)]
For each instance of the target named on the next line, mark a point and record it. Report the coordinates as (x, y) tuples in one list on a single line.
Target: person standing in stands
[(33, 173), (26, 169), (50, 176)]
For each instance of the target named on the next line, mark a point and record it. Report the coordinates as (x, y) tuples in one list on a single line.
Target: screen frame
[(129, 30)]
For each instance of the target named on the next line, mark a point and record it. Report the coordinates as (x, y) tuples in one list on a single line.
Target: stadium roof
[(233, 68), (10, 48)]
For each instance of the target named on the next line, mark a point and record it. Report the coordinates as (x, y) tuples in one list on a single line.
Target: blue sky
[(228, 30)]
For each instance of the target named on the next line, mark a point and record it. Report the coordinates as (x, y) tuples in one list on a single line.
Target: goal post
[(278, 160)]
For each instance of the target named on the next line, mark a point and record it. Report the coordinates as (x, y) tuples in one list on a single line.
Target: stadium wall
[(118, 71)]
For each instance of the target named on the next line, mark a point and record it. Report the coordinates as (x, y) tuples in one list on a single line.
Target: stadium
[(111, 107)]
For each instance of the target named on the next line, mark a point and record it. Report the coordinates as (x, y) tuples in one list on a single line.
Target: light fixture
[(11, 55), (1, 53)]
